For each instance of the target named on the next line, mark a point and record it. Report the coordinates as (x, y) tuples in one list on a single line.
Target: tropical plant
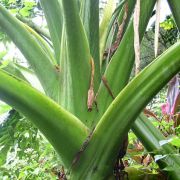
[(88, 104)]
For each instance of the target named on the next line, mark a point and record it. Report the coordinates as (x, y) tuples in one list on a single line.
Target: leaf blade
[(33, 52), (56, 123), (90, 19), (53, 14)]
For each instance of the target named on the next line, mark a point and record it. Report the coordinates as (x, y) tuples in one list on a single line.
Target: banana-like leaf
[(90, 19), (77, 61), (33, 52), (174, 5), (58, 125), (121, 113), (151, 137), (53, 14)]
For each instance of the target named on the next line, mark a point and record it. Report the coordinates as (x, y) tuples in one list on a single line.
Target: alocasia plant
[(88, 137)]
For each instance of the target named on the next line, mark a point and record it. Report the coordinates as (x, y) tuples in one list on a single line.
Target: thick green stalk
[(32, 50), (77, 61), (175, 8), (150, 137), (59, 126), (97, 163)]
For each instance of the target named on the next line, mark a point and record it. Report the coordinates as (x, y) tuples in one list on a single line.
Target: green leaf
[(26, 10), (58, 125), (45, 47), (175, 141), (53, 14), (151, 138), (170, 168), (119, 69), (122, 112), (90, 19), (33, 52)]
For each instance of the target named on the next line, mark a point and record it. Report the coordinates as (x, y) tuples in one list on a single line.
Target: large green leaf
[(58, 125), (33, 52), (121, 113)]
